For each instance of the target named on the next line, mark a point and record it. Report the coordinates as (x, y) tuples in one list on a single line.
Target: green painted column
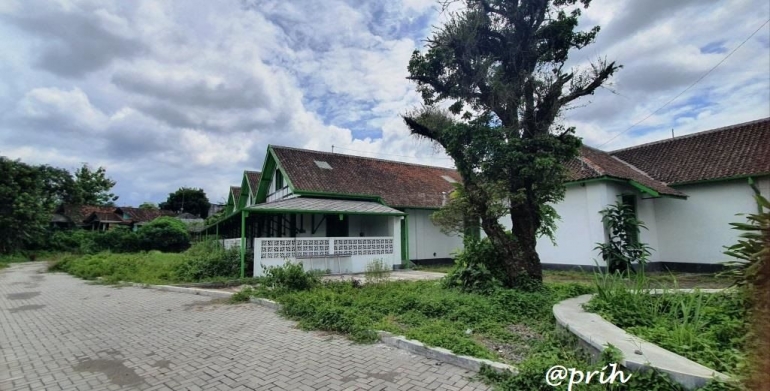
[(244, 214)]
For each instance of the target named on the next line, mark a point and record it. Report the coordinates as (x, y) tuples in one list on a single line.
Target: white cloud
[(169, 94)]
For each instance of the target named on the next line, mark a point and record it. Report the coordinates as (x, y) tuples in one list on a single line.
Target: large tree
[(493, 82), (28, 194), (92, 187), (188, 200)]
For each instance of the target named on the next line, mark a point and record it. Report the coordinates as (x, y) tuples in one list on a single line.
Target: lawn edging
[(595, 333), (192, 291)]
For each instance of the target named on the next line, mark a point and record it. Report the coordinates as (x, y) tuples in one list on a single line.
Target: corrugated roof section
[(325, 205)]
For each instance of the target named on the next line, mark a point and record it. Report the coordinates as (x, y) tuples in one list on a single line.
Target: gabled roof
[(78, 214), (395, 183), (236, 192), (140, 215), (593, 163), (733, 151), (106, 217), (252, 178)]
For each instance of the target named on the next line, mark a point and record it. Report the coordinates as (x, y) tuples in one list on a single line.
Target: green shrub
[(750, 252), (151, 267), (118, 239), (165, 234), (478, 268), (708, 328), (623, 249), (290, 277), (208, 259), (376, 271)]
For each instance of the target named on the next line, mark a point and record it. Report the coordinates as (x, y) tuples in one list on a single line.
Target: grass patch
[(462, 322), (708, 328), (660, 280), (153, 267)]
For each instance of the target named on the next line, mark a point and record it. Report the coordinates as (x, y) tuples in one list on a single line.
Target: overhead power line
[(688, 87)]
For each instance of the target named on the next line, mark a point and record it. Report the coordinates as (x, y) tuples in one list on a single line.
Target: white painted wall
[(337, 264), (696, 230), (426, 241)]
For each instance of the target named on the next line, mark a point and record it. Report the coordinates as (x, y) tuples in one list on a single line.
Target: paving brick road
[(59, 332)]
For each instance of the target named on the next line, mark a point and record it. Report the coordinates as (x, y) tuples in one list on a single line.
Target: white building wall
[(696, 230), (426, 241)]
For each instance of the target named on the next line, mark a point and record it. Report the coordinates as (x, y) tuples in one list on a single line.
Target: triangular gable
[(268, 171)]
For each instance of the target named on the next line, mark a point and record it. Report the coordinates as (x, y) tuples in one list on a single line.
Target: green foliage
[(164, 234), (422, 310), (208, 259), (290, 277), (29, 194), (91, 187), (188, 200), (623, 249), (377, 271), (750, 251), (242, 296), (708, 328), (148, 205), (118, 239), (26, 201), (499, 65), (151, 267), (478, 268)]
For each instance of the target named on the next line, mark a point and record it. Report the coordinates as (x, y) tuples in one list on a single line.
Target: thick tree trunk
[(524, 228)]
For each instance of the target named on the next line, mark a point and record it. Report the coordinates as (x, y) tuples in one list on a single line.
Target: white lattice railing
[(284, 248)]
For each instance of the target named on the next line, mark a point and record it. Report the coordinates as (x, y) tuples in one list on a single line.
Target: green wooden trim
[(725, 179), (604, 178), (268, 171), (349, 196), (245, 192), (415, 207), (644, 189), (319, 211)]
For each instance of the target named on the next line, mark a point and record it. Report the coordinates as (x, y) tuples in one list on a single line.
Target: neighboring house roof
[(325, 205), (78, 214), (139, 215), (253, 179), (732, 151), (397, 184), (188, 216), (105, 217), (593, 163)]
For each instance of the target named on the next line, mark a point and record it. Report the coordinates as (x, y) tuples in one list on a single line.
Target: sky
[(166, 94)]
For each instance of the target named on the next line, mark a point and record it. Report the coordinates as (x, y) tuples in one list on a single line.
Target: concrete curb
[(398, 342), (266, 303), (443, 355), (595, 333), (192, 291)]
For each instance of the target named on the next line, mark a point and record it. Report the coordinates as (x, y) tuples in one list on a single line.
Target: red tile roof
[(106, 217), (253, 179), (236, 191), (593, 163), (77, 214), (737, 150), (139, 215), (398, 184)]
